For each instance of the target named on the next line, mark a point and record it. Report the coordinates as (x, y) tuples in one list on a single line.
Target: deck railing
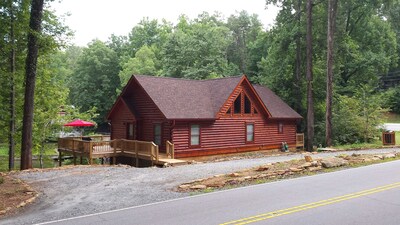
[(112, 148), (169, 150), (134, 147)]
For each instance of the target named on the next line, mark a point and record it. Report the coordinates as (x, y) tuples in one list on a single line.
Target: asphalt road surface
[(365, 195), (392, 126)]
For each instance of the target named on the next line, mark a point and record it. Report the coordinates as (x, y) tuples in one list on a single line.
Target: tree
[(332, 8), (95, 80), (197, 49), (31, 63), (144, 62), (309, 76), (245, 29)]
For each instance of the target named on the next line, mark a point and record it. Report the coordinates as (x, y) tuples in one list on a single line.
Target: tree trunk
[(297, 69), (332, 8), (11, 146), (309, 76), (30, 80)]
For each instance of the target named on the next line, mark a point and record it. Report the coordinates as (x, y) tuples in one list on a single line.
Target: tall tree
[(309, 76), (332, 8), (95, 80), (11, 139), (35, 25)]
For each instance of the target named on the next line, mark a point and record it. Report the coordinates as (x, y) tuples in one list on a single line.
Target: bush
[(356, 119)]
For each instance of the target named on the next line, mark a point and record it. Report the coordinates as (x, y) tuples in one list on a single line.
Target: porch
[(95, 147)]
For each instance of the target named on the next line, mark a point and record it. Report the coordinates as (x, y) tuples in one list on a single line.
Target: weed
[(1, 180)]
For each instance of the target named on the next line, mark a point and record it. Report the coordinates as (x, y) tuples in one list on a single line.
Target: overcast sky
[(92, 19)]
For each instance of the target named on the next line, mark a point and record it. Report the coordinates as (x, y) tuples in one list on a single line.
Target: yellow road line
[(281, 212)]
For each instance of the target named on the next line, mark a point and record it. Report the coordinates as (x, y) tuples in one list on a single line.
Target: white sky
[(92, 19)]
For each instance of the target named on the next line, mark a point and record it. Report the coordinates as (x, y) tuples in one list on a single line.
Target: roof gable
[(244, 86), (118, 103), (203, 99), (188, 99)]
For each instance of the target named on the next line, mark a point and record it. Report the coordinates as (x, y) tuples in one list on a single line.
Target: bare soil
[(14, 194)]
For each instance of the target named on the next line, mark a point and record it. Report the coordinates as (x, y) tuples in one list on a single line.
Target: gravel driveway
[(84, 190)]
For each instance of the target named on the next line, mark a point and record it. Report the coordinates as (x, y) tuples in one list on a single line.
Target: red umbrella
[(79, 123)]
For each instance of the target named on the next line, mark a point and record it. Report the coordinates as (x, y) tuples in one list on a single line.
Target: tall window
[(249, 132), (157, 134), (130, 132), (280, 127), (194, 135), (237, 105), (247, 105)]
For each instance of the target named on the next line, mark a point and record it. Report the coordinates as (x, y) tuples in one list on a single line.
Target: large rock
[(334, 162)]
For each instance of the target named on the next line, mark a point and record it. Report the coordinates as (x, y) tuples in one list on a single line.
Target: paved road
[(392, 126), (365, 195)]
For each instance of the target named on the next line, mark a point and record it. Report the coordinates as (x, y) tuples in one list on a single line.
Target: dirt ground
[(14, 194)]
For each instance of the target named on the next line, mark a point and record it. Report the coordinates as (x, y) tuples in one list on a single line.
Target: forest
[(326, 59)]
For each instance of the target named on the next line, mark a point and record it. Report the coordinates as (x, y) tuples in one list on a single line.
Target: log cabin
[(202, 117)]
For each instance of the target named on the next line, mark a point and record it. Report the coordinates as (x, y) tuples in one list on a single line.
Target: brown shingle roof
[(275, 105), (202, 99), (188, 99)]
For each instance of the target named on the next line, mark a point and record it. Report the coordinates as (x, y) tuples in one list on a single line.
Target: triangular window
[(229, 111), (247, 105), (237, 105), (255, 111)]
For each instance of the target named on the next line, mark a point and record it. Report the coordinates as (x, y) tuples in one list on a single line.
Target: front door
[(130, 131)]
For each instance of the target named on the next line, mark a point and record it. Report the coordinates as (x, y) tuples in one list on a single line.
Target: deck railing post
[(90, 153)]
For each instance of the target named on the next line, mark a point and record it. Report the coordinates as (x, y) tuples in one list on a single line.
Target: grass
[(50, 150), (375, 144)]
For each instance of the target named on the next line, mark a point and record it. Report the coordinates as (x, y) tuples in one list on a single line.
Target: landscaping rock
[(308, 158), (184, 186), (312, 169), (389, 156), (294, 169), (263, 168), (306, 165), (234, 175), (216, 184), (333, 162), (198, 187), (281, 172)]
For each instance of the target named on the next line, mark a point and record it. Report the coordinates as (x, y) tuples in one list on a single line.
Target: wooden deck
[(102, 147)]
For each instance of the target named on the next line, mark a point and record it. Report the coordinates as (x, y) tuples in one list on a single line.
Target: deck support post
[(137, 154), (59, 158)]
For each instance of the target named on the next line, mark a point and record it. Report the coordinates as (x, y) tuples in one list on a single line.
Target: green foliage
[(144, 63), (95, 79), (392, 97), (197, 49), (357, 119)]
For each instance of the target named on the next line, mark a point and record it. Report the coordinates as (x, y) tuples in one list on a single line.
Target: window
[(157, 134), (280, 127), (247, 105), (195, 135), (229, 111), (237, 105), (130, 132), (249, 132)]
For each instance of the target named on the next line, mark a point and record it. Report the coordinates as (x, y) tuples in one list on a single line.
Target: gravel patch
[(84, 190)]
